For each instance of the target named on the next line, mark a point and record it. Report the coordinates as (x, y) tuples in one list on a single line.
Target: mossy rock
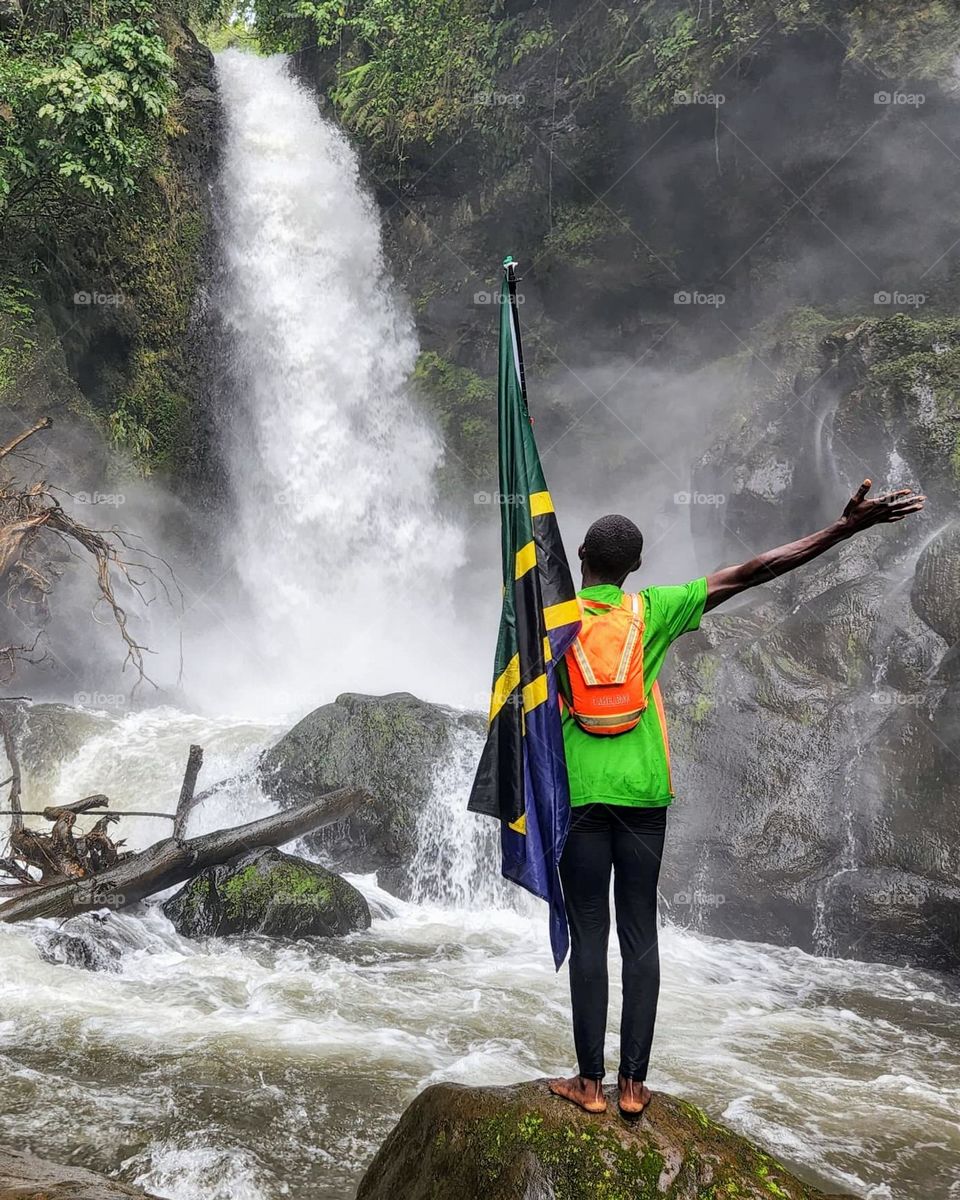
[(267, 892), (387, 745), (463, 1143)]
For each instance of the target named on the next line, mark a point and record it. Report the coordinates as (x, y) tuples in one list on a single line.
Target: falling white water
[(342, 552), (456, 864)]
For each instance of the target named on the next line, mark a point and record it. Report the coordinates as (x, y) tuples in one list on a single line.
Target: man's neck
[(589, 579)]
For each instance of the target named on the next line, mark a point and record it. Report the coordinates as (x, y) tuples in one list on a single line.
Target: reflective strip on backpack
[(606, 722), (628, 645), (583, 663)]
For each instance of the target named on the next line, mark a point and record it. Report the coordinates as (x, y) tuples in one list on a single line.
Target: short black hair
[(612, 546)]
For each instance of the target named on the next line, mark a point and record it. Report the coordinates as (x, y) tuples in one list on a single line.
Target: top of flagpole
[(510, 265)]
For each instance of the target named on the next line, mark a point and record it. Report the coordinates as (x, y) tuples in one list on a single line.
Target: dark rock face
[(81, 950), (388, 745), (816, 728), (461, 1143), (267, 892), (24, 1177), (936, 585)]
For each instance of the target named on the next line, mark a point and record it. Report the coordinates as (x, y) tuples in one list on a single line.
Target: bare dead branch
[(43, 423), (31, 516), (187, 788)]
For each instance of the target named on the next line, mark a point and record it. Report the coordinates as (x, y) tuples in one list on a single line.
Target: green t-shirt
[(633, 768)]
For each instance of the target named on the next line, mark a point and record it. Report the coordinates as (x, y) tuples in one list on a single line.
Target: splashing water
[(253, 1068), (344, 558), (456, 863)]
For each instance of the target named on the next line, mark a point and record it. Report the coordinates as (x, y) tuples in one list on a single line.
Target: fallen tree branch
[(44, 812), (43, 423), (187, 788), (170, 862)]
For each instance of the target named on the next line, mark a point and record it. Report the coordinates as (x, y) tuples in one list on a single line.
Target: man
[(620, 789)]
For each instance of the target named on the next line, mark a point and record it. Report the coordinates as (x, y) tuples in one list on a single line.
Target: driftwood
[(59, 854), (170, 861), (58, 874), (187, 788)]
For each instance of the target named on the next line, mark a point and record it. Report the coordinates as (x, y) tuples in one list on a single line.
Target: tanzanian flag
[(522, 776)]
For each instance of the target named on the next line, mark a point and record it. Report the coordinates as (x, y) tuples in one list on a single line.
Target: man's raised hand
[(861, 513)]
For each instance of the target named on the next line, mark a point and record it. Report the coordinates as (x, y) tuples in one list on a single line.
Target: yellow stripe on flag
[(566, 613), (540, 503), (526, 559), (547, 650), (508, 680), (535, 692)]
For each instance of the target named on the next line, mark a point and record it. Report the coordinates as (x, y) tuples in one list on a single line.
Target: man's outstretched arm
[(859, 514)]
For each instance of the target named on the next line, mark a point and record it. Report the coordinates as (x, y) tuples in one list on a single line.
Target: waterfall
[(343, 559), (457, 862)]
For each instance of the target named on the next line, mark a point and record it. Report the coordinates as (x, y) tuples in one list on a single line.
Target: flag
[(522, 776)]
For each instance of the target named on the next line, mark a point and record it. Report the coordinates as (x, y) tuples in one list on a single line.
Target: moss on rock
[(460, 1143), (267, 892)]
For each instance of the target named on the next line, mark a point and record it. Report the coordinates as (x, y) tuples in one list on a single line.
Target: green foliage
[(16, 343), (83, 122), (581, 232), (234, 32), (92, 198), (681, 47), (465, 407), (404, 70)]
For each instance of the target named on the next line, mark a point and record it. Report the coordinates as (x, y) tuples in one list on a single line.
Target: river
[(246, 1069)]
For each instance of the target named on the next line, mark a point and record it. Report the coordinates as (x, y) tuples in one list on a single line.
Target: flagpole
[(510, 265)]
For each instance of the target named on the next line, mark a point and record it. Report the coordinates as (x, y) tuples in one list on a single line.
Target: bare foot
[(586, 1093), (634, 1096)]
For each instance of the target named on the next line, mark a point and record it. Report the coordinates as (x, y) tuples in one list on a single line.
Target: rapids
[(252, 1070)]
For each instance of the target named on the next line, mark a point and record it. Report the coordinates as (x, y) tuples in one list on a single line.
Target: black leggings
[(630, 842)]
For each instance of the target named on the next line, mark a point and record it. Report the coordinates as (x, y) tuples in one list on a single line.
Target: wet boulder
[(267, 892), (388, 745), (500, 1143), (936, 584), (26, 1177), (49, 735)]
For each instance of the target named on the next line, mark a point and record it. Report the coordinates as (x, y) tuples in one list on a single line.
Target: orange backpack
[(605, 667)]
